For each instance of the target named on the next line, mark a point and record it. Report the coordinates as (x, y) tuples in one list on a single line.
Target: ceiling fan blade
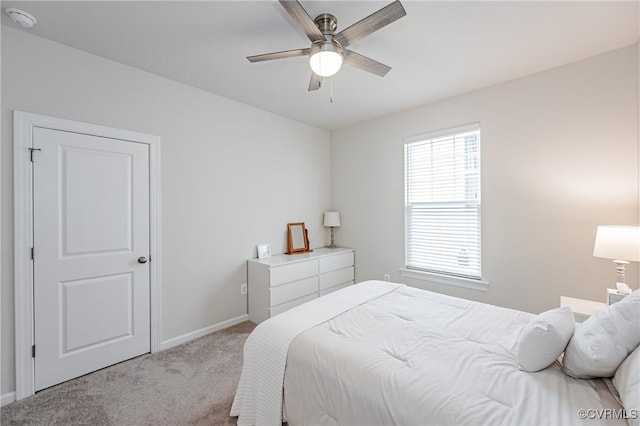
[(278, 55), (302, 18), (371, 23), (364, 63), (315, 82)]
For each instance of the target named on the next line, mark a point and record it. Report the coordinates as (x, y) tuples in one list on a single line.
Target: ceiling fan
[(329, 50)]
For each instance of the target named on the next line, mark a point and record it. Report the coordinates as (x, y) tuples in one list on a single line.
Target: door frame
[(23, 125)]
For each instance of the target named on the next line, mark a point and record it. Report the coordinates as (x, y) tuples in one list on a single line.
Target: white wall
[(233, 176), (559, 157)]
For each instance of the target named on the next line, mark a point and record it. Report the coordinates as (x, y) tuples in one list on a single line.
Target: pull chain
[(331, 95)]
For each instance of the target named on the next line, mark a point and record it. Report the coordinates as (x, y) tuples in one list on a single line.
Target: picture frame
[(297, 238), (264, 251)]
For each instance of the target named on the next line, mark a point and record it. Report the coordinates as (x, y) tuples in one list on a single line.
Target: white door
[(91, 240)]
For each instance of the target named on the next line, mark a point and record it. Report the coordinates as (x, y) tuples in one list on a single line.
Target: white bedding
[(258, 399), (413, 357)]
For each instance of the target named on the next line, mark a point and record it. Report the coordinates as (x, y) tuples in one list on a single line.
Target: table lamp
[(621, 244), (331, 220)]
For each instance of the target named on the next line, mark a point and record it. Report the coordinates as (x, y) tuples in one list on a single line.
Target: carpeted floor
[(191, 384)]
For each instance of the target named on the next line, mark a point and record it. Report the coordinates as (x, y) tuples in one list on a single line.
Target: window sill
[(479, 285)]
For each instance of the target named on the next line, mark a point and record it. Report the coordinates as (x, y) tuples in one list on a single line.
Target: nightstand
[(582, 309)]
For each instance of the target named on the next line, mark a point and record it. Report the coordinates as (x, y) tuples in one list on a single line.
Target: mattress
[(412, 357)]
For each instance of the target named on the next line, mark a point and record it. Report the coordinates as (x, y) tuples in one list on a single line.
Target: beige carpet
[(191, 384)]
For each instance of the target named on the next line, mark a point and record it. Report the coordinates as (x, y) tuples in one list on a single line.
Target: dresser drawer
[(286, 306), (334, 278), (338, 261), (286, 292), (338, 287), (293, 272)]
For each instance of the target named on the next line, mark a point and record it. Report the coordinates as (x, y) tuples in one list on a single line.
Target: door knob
[(142, 259)]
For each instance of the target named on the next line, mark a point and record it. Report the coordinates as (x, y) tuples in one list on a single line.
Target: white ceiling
[(439, 50)]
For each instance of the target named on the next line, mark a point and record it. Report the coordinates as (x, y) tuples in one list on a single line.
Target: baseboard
[(7, 398), (202, 332)]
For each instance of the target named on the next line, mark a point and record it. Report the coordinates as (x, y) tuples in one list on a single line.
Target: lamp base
[(620, 269), (332, 245)]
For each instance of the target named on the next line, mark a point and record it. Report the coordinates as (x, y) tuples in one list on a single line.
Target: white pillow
[(544, 339), (604, 340), (627, 383)]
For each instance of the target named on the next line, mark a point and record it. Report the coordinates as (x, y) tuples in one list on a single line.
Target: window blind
[(442, 202)]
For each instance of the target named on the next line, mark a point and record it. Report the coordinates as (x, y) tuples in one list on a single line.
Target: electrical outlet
[(243, 289), (386, 277)]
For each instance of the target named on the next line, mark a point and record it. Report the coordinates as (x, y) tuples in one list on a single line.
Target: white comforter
[(258, 399), (412, 357)]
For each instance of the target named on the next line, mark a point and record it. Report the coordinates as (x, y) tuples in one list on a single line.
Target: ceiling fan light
[(325, 58)]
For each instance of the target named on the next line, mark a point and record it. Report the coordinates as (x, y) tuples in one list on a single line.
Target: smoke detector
[(20, 17)]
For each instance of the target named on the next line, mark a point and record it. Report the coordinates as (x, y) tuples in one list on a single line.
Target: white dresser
[(283, 281)]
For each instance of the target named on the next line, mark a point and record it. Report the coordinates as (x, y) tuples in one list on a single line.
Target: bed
[(379, 353)]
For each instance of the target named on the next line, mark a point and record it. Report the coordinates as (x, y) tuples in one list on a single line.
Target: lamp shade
[(618, 243), (331, 219), (325, 58)]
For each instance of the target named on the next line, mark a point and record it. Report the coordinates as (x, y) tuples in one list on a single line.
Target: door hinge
[(33, 351), (32, 253), (33, 149)]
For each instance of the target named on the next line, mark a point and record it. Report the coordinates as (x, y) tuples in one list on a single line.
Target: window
[(442, 202)]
